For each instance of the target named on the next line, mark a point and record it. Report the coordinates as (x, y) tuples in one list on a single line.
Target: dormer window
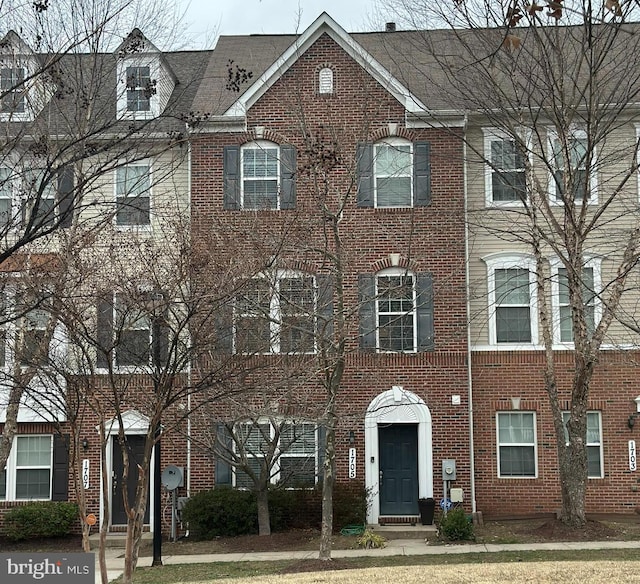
[(12, 90), (139, 89)]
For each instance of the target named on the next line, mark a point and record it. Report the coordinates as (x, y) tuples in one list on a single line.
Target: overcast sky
[(206, 17)]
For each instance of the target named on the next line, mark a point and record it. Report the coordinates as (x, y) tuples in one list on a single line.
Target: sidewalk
[(395, 547)]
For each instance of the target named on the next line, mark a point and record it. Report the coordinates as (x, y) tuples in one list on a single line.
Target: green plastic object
[(352, 530)]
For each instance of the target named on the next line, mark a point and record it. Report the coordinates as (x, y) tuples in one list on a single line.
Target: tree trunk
[(573, 478), (264, 520), (328, 482), (10, 427)]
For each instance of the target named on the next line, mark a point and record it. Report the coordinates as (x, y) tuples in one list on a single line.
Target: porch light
[(632, 418)]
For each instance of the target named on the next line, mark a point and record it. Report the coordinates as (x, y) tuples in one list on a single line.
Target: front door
[(135, 445), (398, 444)]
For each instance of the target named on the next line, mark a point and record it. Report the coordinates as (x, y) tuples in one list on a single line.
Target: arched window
[(325, 80)]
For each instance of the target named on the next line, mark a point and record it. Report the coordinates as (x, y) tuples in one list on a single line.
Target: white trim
[(396, 406), (260, 145), (506, 261), (386, 272), (595, 264), (393, 141), (324, 24), (134, 423), (522, 444), (153, 62), (12, 468), (496, 135), (579, 134), (141, 227)]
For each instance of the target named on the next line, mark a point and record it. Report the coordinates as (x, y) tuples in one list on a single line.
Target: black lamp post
[(156, 347)]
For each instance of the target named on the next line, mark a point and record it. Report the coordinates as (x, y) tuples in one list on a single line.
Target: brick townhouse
[(327, 184)]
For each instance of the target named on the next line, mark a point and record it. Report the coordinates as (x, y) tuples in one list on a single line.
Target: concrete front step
[(405, 531), (115, 540)]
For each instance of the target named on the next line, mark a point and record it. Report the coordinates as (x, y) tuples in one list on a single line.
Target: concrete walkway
[(395, 547)]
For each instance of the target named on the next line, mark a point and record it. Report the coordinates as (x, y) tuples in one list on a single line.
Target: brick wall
[(428, 239), (498, 376)]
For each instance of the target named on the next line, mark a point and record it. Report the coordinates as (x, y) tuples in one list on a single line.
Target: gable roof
[(268, 57)]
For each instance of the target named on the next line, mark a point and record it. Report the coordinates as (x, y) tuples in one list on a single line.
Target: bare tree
[(64, 136), (551, 84)]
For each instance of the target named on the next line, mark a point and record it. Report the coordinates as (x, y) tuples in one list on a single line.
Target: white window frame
[(326, 81), (15, 116), (395, 272), (149, 195), (579, 134), (12, 468), (276, 469), (275, 312), (391, 143), (492, 135), (258, 145), (119, 324), (509, 261), (9, 188), (533, 444), (598, 445), (123, 89), (590, 262)]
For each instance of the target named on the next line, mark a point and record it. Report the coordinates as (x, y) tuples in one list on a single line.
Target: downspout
[(189, 378), (472, 465)]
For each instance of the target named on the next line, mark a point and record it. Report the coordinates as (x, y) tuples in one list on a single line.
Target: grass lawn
[(609, 565)]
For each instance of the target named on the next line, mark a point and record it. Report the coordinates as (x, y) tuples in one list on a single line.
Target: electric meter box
[(449, 470)]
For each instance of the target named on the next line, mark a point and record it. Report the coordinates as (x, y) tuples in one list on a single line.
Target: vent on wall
[(325, 80)]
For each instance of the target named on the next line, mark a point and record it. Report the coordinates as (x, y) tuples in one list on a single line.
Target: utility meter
[(449, 470)]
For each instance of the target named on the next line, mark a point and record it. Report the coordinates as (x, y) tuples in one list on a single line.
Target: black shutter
[(105, 331), (367, 312), (322, 446), (224, 444), (424, 296), (364, 166), (60, 482), (231, 171), (287, 177), (325, 308), (65, 196), (160, 347), (421, 174)]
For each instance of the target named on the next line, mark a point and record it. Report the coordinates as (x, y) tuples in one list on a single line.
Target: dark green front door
[(398, 444)]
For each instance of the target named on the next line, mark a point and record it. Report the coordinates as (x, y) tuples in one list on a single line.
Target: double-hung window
[(38, 198), (505, 171), (139, 89), (133, 332), (287, 451), (594, 443), (570, 157), (7, 186), (260, 176), (276, 314), (395, 303), (254, 441), (133, 194), (12, 90), (511, 285), (298, 451), (394, 173), (516, 433), (35, 312), (28, 473), (563, 329), (393, 162)]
